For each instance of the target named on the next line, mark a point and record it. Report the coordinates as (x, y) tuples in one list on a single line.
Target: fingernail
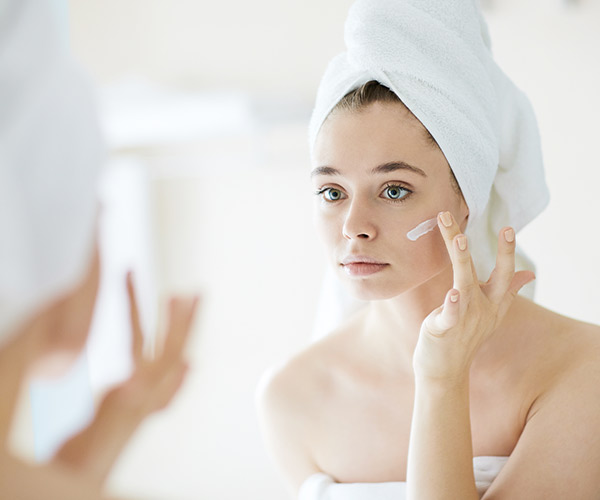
[(446, 219), (509, 235), (462, 242), (454, 297)]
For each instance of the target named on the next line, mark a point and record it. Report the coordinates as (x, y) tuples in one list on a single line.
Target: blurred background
[(205, 107)]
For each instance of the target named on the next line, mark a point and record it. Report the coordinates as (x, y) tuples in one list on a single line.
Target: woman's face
[(377, 176)]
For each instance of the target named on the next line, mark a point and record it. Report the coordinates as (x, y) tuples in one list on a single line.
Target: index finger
[(457, 246)]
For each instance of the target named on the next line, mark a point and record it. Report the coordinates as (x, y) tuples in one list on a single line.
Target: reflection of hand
[(451, 335), (150, 387), (154, 382)]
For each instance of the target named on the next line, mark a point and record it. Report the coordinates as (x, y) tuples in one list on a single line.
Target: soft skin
[(366, 220), (414, 385)]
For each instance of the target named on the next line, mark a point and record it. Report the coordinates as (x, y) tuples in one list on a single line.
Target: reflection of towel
[(323, 487), (435, 55), (50, 153)]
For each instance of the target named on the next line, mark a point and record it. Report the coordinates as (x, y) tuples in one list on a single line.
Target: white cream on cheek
[(423, 228)]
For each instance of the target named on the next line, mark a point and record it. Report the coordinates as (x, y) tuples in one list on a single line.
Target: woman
[(443, 385), (50, 157)]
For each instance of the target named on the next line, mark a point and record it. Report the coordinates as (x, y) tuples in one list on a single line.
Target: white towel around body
[(321, 486)]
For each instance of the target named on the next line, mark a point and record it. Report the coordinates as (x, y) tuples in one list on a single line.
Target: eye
[(395, 192), (330, 194)]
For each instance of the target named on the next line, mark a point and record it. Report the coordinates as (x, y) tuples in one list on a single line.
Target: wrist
[(442, 373), (93, 452), (447, 383)]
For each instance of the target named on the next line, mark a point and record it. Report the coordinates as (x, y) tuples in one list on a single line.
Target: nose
[(358, 222)]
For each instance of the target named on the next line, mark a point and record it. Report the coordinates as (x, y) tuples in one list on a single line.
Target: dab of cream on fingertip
[(423, 228)]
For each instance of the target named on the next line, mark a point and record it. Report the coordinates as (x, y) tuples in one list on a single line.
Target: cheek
[(328, 227), (428, 253), (413, 262)]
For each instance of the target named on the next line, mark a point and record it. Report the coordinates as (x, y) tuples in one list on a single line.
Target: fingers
[(151, 387), (457, 246), (519, 280), (137, 340), (181, 316), (449, 230), (445, 317), (153, 383), (502, 275)]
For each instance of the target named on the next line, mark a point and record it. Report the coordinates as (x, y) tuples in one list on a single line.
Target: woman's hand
[(155, 381), (451, 335), (151, 387)]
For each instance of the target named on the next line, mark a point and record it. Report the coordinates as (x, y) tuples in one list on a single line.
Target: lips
[(362, 265)]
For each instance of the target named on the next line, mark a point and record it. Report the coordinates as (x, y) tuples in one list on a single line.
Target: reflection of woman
[(50, 154), (441, 385)]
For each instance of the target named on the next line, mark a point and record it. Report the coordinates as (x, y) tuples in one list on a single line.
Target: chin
[(372, 288), (384, 287), (372, 293)]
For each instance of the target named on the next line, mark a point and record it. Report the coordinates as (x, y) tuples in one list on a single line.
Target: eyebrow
[(385, 168)]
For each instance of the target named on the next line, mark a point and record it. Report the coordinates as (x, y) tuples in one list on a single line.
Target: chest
[(363, 435)]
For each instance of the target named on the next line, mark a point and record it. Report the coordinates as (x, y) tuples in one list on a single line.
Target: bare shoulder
[(560, 350), (558, 452), (306, 380), (290, 398), (303, 380), (554, 333), (573, 357)]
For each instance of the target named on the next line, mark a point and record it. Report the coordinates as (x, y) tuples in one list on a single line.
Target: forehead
[(377, 134)]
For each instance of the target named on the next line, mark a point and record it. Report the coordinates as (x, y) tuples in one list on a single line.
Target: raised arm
[(152, 385), (440, 457)]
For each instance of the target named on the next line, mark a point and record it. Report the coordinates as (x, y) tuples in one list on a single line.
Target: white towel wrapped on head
[(51, 151), (435, 56)]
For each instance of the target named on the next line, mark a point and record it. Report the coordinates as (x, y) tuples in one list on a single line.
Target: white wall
[(263, 45), (232, 213), (243, 238)]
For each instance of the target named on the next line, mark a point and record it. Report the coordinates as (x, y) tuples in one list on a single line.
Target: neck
[(393, 325)]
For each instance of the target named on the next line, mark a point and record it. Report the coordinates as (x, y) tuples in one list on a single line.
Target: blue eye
[(331, 194), (395, 192)]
